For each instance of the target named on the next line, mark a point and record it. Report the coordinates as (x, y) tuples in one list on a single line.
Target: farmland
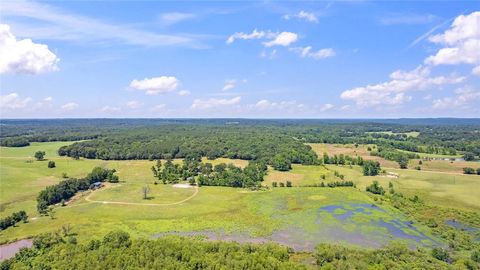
[(301, 214)]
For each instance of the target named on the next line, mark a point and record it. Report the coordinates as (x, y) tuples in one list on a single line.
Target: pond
[(9, 250)]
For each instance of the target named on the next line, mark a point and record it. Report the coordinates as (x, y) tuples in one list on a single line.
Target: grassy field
[(351, 150), (431, 165), (292, 216)]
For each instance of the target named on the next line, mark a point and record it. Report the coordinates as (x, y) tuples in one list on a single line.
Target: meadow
[(298, 216)]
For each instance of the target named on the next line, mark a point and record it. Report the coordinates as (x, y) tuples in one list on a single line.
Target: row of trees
[(401, 158), (342, 160), (195, 171), (13, 219), (66, 189), (468, 170)]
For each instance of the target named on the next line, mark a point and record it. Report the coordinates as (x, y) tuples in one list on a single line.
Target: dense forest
[(239, 138), (118, 251)]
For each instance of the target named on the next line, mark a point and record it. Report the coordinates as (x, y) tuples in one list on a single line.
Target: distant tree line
[(66, 189), (14, 218)]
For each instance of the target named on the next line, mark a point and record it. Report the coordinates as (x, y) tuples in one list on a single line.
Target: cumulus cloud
[(461, 42), (303, 15), (133, 104), (13, 101), (393, 92), (282, 106), (326, 107), (282, 39), (156, 85), (158, 108), (229, 84), (110, 109), (254, 35), (69, 106), (183, 93), (203, 104), (476, 70), (24, 56), (307, 52), (463, 98)]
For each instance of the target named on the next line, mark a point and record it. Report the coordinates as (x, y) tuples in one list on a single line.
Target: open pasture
[(351, 150), (290, 216)]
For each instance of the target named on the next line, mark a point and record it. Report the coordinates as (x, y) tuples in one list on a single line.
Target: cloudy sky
[(265, 59)]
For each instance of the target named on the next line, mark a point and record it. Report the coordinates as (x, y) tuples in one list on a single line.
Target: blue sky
[(317, 59)]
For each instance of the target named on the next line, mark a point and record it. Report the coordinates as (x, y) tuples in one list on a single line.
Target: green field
[(290, 216)]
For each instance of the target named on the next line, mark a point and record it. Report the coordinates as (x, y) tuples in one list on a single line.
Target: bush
[(274, 184), (282, 184), (440, 254), (289, 184), (371, 168), (468, 170), (39, 155), (375, 188), (51, 164)]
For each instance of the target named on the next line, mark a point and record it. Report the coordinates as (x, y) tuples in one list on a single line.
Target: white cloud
[(183, 93), (461, 41), (13, 101), (69, 106), (463, 98), (326, 107), (394, 91), (203, 104), (229, 84), (110, 109), (303, 15), (133, 104), (281, 106), (159, 108), (48, 99), (254, 35), (24, 56), (320, 54), (282, 39), (156, 85), (476, 70), (175, 17), (49, 22)]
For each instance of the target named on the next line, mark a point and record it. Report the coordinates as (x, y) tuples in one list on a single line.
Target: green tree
[(281, 163), (39, 155), (51, 164), (469, 156)]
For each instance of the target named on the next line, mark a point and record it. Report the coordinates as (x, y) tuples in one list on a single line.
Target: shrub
[(274, 184), (375, 188), (468, 170), (282, 184), (51, 164), (289, 184), (440, 254)]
